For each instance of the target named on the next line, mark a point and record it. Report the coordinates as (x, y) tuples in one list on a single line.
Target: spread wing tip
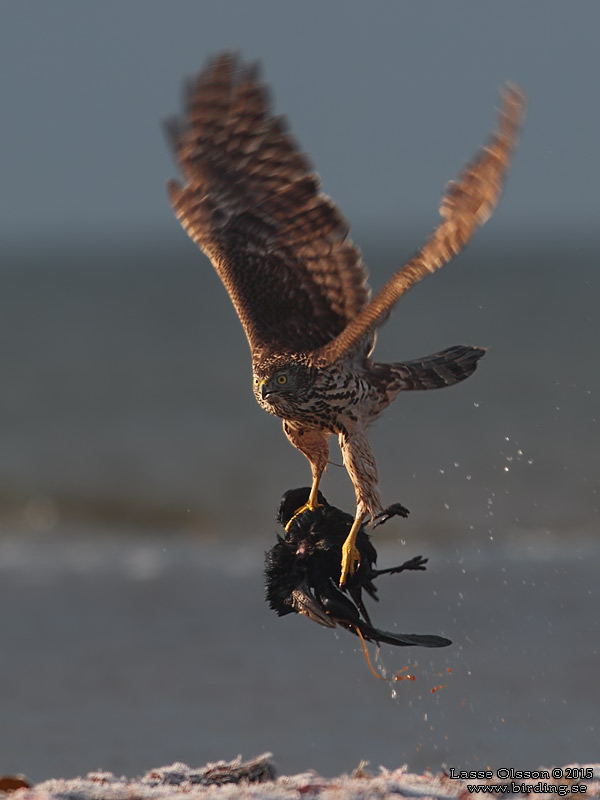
[(476, 192), (511, 114), (173, 192), (512, 95)]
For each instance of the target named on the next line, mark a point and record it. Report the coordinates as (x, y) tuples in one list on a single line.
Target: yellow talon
[(350, 554), (350, 560), (311, 504), (306, 507)]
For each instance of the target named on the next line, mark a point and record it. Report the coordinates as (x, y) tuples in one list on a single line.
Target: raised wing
[(254, 207), (467, 203)]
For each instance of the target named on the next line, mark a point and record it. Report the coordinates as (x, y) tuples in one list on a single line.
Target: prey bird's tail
[(398, 639), (433, 372)]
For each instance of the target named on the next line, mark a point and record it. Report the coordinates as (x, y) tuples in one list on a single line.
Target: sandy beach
[(258, 779)]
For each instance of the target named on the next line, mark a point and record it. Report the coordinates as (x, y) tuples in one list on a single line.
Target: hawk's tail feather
[(436, 371)]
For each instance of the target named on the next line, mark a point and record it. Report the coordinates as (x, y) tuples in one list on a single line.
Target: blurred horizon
[(117, 413)]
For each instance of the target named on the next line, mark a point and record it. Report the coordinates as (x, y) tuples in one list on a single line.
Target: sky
[(389, 98)]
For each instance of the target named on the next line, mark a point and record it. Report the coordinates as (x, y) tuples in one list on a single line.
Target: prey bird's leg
[(360, 465), (366, 652), (314, 443)]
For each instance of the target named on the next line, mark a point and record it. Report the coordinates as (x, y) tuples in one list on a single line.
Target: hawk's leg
[(350, 554), (314, 444), (360, 464)]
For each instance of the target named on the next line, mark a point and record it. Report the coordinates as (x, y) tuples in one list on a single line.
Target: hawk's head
[(283, 386)]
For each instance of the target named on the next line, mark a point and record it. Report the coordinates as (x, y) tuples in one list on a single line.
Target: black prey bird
[(302, 570)]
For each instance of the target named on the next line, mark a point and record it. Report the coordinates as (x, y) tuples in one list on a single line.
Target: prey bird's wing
[(253, 205), (467, 203)]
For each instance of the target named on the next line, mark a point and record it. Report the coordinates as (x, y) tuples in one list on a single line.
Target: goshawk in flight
[(280, 246)]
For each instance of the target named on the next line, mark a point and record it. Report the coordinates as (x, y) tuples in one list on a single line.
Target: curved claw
[(306, 507), (350, 561)]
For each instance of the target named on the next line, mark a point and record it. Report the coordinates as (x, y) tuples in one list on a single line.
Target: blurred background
[(139, 479)]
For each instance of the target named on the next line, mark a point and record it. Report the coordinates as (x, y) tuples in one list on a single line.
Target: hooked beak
[(263, 389)]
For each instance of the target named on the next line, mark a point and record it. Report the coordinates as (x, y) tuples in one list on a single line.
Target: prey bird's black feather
[(302, 569)]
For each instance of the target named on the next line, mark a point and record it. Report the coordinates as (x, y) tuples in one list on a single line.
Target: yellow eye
[(255, 381), (282, 380)]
